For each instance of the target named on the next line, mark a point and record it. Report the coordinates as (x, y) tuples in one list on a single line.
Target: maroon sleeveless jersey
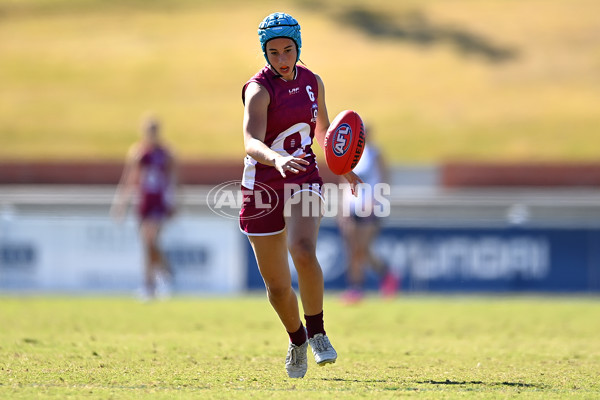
[(291, 121), (155, 185)]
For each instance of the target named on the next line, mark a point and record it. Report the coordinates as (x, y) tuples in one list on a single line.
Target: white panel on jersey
[(249, 176), (279, 146), (279, 143)]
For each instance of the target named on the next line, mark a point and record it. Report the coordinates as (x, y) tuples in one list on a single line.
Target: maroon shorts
[(154, 206), (262, 212)]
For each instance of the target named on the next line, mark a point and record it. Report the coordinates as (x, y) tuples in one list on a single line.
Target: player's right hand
[(293, 164)]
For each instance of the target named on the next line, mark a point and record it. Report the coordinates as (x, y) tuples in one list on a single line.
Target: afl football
[(344, 142)]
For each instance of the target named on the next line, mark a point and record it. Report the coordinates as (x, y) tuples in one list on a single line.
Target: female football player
[(284, 112), (361, 227), (149, 171)]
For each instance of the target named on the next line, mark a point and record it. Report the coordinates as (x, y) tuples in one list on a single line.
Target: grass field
[(233, 348), (437, 79)]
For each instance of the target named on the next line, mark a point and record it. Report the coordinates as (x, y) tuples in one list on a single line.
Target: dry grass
[(234, 348), (75, 77)]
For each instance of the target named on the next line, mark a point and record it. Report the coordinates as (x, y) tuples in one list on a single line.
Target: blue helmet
[(279, 25)]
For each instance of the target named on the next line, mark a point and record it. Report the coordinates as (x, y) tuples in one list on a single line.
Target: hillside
[(436, 79)]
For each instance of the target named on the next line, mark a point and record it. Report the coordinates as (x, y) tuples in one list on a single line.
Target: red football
[(344, 142)]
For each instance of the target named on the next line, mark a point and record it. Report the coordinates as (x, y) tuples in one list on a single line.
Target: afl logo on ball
[(342, 137)]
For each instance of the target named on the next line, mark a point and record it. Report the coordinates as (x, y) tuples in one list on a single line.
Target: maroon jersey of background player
[(155, 183)]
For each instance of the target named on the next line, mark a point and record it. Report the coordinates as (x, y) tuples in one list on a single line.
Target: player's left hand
[(353, 180)]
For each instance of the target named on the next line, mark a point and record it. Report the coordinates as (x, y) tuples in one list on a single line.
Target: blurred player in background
[(360, 228), (284, 109), (150, 174)]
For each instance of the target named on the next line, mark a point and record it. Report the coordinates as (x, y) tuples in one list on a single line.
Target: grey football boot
[(322, 349), (295, 361)]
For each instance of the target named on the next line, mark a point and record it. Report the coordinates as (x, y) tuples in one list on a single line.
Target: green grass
[(233, 348), (76, 75)]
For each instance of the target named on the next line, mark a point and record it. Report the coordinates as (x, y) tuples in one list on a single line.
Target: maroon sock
[(298, 337), (314, 324)]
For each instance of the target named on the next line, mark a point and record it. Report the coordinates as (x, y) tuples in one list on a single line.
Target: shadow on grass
[(417, 28), (355, 380), (509, 384), (446, 382)]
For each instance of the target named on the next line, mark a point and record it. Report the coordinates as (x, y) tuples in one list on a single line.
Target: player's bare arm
[(126, 187), (255, 127), (321, 129), (322, 116)]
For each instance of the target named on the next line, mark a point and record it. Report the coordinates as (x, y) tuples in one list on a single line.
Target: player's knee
[(278, 292), (303, 252), (358, 253)]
